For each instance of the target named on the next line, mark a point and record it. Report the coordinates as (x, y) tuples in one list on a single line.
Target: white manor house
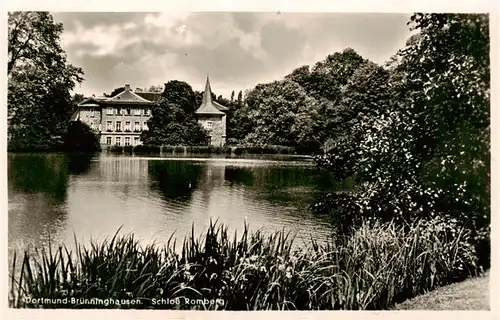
[(120, 120)]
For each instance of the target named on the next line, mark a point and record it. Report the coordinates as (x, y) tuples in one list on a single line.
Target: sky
[(237, 49)]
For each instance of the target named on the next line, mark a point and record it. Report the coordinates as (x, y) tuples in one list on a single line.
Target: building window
[(127, 126), (110, 111), (137, 126), (118, 126), (145, 126), (210, 124), (127, 141), (109, 125), (92, 113), (128, 111), (92, 125), (136, 141), (108, 140), (148, 112), (137, 112), (118, 141)]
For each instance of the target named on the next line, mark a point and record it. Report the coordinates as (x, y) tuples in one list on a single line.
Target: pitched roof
[(207, 105), (128, 97), (151, 96), (91, 102), (124, 97)]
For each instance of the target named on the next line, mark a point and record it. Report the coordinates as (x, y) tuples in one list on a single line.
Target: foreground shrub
[(377, 266)]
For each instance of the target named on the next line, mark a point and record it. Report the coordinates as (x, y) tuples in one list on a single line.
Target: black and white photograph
[(248, 161)]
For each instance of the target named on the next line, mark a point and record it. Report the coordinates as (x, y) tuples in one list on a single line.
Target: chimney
[(127, 87)]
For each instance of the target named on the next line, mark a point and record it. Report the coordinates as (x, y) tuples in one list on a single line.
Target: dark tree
[(240, 98), (181, 94), (81, 138), (173, 121), (39, 82), (116, 91)]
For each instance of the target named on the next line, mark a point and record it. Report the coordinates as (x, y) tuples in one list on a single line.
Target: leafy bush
[(81, 138), (128, 149), (146, 149)]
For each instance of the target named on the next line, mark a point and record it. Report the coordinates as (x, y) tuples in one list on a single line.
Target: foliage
[(327, 77), (115, 92), (146, 149), (315, 112), (281, 113), (76, 99), (181, 94), (379, 265), (240, 98), (81, 138), (426, 148), (156, 88), (173, 121), (39, 82)]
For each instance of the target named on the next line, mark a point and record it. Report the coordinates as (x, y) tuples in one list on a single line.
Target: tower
[(212, 117)]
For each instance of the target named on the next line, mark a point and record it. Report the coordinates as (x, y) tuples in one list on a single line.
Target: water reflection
[(39, 173), (37, 190), (174, 179), (92, 196), (235, 176), (79, 163)]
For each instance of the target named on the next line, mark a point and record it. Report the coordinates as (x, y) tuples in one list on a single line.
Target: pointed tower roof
[(208, 105)]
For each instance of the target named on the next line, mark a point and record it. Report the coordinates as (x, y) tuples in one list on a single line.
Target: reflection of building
[(214, 174), (211, 115), (123, 169), (119, 120)]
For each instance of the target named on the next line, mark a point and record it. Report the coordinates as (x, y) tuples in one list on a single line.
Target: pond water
[(58, 196)]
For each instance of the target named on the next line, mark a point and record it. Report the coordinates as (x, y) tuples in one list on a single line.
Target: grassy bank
[(236, 150), (471, 294), (376, 267)]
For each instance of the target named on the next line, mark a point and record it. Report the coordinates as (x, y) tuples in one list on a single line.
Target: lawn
[(471, 294)]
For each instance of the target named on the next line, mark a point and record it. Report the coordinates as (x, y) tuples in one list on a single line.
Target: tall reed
[(377, 266)]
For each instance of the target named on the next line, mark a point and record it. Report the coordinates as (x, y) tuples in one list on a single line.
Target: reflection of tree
[(237, 175), (283, 184), (39, 173), (174, 179), (37, 197), (79, 163)]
